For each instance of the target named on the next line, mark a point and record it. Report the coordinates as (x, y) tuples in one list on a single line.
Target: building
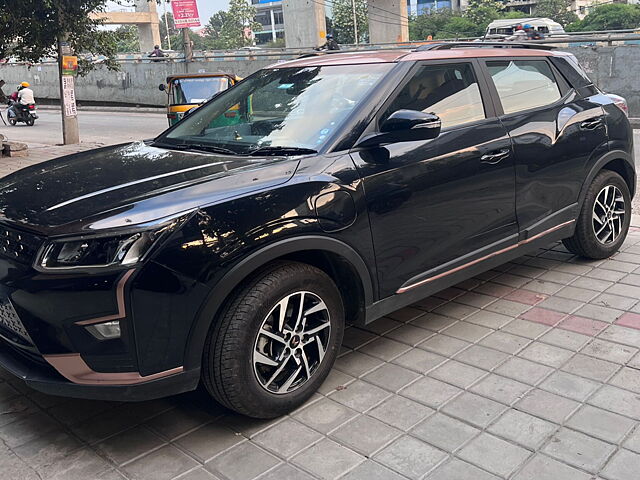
[(419, 7), (269, 15)]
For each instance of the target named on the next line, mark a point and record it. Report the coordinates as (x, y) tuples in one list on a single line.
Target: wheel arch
[(617, 161), (340, 261)]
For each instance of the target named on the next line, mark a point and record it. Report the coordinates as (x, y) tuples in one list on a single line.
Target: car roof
[(401, 55)]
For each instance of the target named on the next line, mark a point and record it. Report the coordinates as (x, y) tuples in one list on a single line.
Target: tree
[(482, 12), (556, 10), (170, 32), (230, 25), (342, 20), (215, 28), (31, 29), (127, 39), (615, 16)]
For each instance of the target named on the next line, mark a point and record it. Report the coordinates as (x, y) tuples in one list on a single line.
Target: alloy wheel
[(292, 342), (608, 214)]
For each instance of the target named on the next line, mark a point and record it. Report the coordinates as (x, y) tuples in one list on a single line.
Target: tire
[(30, 121), (12, 122), (241, 363), (599, 234)]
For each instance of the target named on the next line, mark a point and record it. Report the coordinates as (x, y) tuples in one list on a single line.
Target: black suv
[(335, 188)]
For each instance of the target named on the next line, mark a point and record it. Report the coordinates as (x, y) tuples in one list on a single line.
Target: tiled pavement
[(528, 372)]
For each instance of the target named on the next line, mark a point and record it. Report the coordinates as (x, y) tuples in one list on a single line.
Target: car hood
[(129, 184)]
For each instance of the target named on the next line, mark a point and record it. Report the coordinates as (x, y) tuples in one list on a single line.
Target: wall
[(614, 69)]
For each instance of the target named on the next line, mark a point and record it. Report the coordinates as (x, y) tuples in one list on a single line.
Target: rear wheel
[(604, 220), (30, 121), (12, 122), (276, 341)]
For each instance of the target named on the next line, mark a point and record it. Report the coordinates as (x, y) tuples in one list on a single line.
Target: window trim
[(564, 88)]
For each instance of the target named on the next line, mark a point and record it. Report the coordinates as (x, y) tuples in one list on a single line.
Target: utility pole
[(188, 53), (355, 22), (166, 24), (70, 133)]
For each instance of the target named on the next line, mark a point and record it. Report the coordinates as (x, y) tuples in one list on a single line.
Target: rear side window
[(524, 84), (448, 90)]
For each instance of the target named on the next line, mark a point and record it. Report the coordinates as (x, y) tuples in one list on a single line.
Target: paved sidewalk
[(530, 371)]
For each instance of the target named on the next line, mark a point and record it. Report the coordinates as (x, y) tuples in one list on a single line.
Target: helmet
[(527, 26), (25, 85), (156, 47)]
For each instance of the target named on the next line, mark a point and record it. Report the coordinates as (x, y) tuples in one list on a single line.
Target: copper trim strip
[(72, 367), (486, 257), (120, 299)]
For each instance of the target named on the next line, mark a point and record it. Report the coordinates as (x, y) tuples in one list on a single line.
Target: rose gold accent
[(120, 299), (482, 259), (74, 368)]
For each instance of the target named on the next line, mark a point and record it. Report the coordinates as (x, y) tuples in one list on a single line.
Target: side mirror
[(405, 126), (162, 87)]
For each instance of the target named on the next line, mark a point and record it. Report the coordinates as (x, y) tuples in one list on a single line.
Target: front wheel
[(12, 122), (605, 217), (275, 342), (30, 121)]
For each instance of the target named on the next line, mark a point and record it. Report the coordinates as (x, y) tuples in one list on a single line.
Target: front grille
[(19, 246)]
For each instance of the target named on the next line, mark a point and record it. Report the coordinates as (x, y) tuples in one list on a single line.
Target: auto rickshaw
[(188, 91)]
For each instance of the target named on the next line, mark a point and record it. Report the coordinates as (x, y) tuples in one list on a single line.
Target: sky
[(206, 8)]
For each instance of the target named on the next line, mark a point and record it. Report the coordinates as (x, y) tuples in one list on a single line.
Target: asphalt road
[(100, 127)]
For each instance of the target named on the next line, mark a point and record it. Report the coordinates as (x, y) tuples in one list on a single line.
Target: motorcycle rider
[(330, 45), (23, 97)]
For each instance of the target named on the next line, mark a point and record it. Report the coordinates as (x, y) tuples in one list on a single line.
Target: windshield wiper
[(276, 150), (196, 146)]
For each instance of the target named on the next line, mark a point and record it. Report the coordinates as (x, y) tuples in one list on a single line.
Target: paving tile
[(80, 465), (444, 345), (283, 472), (579, 450), (624, 290), (494, 289), (501, 389), (600, 423), (617, 400), (242, 462), (526, 296), (612, 352), (286, 438), (576, 293), (614, 301), (419, 360), (178, 421), (525, 328), (474, 299), (623, 466), (557, 277), (542, 286), (428, 304), (511, 280), (591, 283), (162, 464), (560, 304), (494, 454), (523, 370), (368, 470), (482, 357), (357, 364), (542, 467), (547, 405), (590, 367), (325, 415), (628, 378), (382, 325), (565, 339), (410, 457), (623, 335), (445, 432), (391, 377), (458, 374), (568, 385), (544, 316), (487, 319), (468, 331), (508, 307), (472, 408), (130, 444), (405, 314), (631, 320), (433, 322), (597, 312), (365, 435), (26, 428), (459, 470), (582, 325), (430, 392), (400, 412), (245, 425), (47, 449), (450, 293), (633, 441), (385, 348), (335, 380), (522, 428), (75, 411), (360, 396), (455, 310), (505, 342), (546, 354), (356, 338), (409, 334)]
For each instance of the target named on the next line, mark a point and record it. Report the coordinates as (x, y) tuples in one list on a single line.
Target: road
[(97, 127)]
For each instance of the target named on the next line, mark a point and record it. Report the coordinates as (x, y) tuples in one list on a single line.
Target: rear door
[(554, 133)]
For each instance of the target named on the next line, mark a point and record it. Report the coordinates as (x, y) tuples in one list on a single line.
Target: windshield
[(292, 108), (196, 90)]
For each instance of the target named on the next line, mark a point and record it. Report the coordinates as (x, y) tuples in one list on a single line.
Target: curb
[(99, 108)]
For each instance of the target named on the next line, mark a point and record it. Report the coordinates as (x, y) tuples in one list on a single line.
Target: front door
[(437, 203)]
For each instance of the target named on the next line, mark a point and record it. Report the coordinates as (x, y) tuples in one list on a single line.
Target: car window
[(524, 84), (450, 91)]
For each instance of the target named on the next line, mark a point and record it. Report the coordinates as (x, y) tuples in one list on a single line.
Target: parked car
[(353, 185)]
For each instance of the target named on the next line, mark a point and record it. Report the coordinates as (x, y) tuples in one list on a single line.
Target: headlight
[(91, 252)]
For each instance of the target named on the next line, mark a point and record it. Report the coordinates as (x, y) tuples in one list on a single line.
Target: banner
[(69, 65), (185, 13), (69, 95)]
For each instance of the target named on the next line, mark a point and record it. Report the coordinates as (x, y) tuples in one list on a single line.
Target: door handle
[(495, 157), (591, 124)]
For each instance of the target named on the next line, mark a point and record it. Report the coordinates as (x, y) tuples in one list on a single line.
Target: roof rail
[(450, 45)]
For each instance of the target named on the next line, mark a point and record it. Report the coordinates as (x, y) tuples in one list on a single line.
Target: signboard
[(69, 95), (185, 13), (69, 65)]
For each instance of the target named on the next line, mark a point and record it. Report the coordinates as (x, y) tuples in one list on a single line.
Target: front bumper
[(46, 379)]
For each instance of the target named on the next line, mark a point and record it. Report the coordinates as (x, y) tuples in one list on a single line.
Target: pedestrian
[(157, 52)]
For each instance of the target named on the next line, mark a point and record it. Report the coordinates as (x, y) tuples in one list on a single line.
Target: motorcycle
[(22, 113)]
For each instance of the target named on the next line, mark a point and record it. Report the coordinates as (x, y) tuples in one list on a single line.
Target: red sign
[(185, 13)]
